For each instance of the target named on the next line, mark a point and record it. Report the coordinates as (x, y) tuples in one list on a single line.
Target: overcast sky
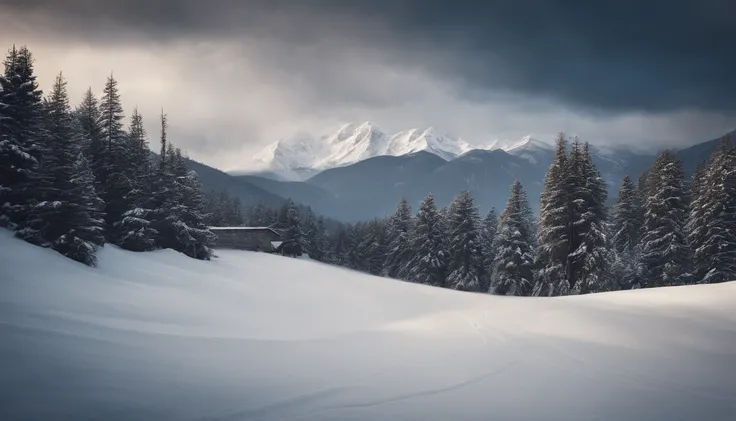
[(235, 75)]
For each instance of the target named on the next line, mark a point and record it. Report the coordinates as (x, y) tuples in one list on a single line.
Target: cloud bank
[(236, 75)]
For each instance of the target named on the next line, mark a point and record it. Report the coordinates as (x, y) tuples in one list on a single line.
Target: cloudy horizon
[(236, 76)]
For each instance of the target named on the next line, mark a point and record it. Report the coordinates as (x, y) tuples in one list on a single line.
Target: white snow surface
[(299, 157), (252, 336)]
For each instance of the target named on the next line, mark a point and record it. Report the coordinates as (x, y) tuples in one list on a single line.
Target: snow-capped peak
[(415, 140), (529, 148), (528, 142), (353, 142)]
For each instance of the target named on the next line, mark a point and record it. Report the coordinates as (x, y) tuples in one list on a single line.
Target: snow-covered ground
[(249, 336)]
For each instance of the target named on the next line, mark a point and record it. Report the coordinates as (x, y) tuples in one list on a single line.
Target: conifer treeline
[(73, 180), (662, 231)]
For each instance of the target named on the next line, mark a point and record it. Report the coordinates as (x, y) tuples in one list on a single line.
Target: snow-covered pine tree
[(63, 219), (261, 216), (554, 226), (293, 235), (282, 217), (592, 255), (315, 237), (665, 253), (350, 256), (372, 246), (488, 232), (712, 222), (94, 146), (163, 140), (20, 126), (627, 229), (115, 173), (324, 240), (164, 196), (135, 229), (696, 225), (138, 144), (233, 212), (341, 245), (513, 265), (429, 245), (312, 242), (88, 117), (216, 204), (399, 252), (466, 268), (192, 236)]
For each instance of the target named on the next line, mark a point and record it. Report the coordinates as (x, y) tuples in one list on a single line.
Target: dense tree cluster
[(662, 231), (74, 180)]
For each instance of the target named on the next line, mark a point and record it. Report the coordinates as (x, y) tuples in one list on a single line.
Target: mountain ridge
[(300, 157), (371, 187)]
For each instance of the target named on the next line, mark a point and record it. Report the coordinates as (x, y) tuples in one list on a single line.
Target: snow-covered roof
[(240, 228), (245, 229)]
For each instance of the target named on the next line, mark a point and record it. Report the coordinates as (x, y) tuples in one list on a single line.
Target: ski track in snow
[(421, 393)]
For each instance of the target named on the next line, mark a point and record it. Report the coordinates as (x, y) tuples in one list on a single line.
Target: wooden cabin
[(248, 238)]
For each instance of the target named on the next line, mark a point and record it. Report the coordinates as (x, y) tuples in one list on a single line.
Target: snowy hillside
[(250, 336)]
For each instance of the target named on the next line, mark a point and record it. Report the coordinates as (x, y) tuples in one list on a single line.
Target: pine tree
[(314, 237), (63, 219), (282, 218), (114, 174), (178, 207), (665, 253), (513, 265), (163, 118), (488, 237), (293, 235), (234, 212), (711, 224), (164, 197), (591, 257), (466, 268), (135, 229), (429, 246), (323, 241), (399, 252), (20, 126), (187, 217), (371, 249), (555, 222), (341, 245), (94, 147), (627, 229)]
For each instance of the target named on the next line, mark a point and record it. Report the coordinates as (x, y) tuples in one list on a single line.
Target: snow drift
[(249, 336)]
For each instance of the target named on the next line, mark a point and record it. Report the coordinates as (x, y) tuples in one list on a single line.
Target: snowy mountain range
[(303, 156), (359, 183)]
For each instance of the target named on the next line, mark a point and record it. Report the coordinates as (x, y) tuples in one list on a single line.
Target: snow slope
[(249, 336)]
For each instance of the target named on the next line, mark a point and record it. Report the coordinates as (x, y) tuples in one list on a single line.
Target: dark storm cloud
[(616, 56)]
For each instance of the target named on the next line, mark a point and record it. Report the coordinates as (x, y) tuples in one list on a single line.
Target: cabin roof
[(245, 229)]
